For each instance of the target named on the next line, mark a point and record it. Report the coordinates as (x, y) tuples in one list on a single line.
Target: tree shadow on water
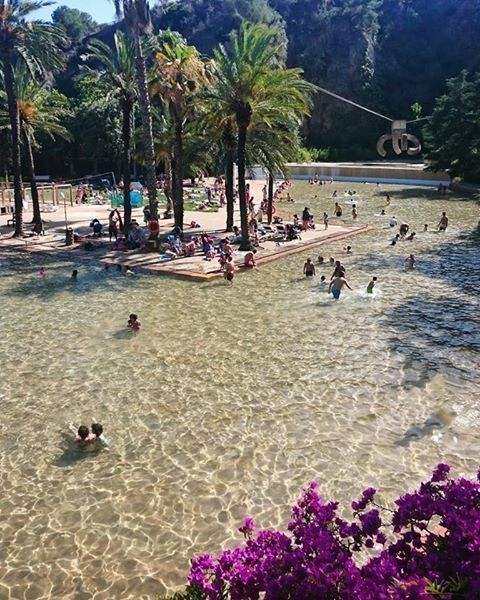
[(428, 333), (58, 280), (416, 193)]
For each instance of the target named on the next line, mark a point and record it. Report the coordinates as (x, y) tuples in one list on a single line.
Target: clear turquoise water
[(230, 398)]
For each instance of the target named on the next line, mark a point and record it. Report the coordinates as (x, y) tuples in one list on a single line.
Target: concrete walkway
[(196, 267)]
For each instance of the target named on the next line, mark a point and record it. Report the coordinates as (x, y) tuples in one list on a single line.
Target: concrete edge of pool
[(169, 268), (147, 262)]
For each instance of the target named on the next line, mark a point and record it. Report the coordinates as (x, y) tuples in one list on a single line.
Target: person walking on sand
[(337, 285)]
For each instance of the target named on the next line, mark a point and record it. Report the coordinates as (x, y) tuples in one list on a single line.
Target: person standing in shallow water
[(337, 285), (443, 224), (309, 268)]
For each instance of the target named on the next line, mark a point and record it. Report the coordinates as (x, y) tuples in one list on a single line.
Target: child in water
[(133, 322), (371, 285), (410, 260), (97, 431), (83, 436)]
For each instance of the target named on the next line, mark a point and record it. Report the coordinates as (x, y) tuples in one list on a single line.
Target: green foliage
[(309, 155), (74, 22), (452, 135), (190, 593), (207, 23)]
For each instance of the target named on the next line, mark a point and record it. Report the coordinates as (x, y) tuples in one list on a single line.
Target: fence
[(50, 193)]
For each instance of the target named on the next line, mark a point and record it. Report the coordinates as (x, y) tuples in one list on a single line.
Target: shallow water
[(230, 398)]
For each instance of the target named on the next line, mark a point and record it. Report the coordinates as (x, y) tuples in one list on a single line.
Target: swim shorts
[(308, 274), (229, 276), (336, 293)]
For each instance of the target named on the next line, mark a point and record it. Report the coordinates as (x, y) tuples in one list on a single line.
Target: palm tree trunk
[(37, 217), (270, 198), (178, 178), (229, 167), (146, 114), (126, 135), (15, 127), (241, 154), (168, 186)]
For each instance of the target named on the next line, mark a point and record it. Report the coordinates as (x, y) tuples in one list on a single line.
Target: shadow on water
[(410, 193), (438, 421), (72, 454), (428, 332), (58, 280)]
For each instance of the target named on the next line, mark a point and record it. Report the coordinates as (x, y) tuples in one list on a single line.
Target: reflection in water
[(229, 399)]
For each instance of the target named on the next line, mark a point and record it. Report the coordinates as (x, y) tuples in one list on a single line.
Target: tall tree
[(251, 86), (39, 118), (36, 43), (116, 72), (138, 23), (452, 134), (76, 23), (177, 78)]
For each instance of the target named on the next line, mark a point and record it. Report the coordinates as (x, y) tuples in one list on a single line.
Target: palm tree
[(251, 86), (272, 147), (36, 43), (137, 21), (117, 73), (177, 78), (38, 116), (223, 134)]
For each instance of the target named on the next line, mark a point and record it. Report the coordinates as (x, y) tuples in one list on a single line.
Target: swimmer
[(97, 431), (325, 220), (321, 260), (331, 261), (128, 272), (339, 270), (348, 249), (354, 212), (443, 224), (393, 222), (133, 322), (395, 239), (323, 280), (83, 437), (309, 268), (42, 272), (74, 274), (229, 270), (410, 260), (337, 285), (382, 213), (338, 209), (425, 228), (371, 285), (411, 237), (387, 200)]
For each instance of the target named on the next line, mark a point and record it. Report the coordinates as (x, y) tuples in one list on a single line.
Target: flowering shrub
[(428, 547)]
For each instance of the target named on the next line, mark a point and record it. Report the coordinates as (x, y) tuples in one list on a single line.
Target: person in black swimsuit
[(309, 268)]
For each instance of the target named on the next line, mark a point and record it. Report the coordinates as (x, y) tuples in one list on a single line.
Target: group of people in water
[(83, 437), (338, 279)]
